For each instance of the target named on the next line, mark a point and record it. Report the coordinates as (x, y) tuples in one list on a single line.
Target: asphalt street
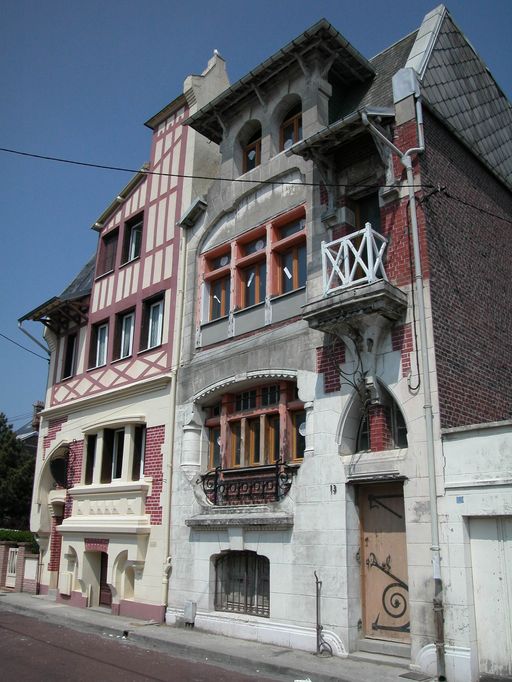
[(33, 650)]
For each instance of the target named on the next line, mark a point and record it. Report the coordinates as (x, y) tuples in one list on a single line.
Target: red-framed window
[(256, 427), (264, 262)]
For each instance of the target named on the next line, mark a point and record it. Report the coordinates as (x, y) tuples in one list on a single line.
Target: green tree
[(16, 479)]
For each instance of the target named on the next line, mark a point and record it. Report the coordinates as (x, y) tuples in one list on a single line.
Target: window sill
[(148, 350), (118, 360), (278, 297), (217, 319), (115, 487), (254, 306), (104, 274), (91, 369), (129, 262)]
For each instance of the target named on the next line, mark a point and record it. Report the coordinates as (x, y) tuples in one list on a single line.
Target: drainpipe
[(177, 343), (405, 84), (32, 338)]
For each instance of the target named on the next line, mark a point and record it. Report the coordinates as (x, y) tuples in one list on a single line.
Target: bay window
[(115, 454), (260, 265), (256, 427)]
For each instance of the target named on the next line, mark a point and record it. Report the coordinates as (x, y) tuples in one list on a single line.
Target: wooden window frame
[(295, 122), (225, 297), (244, 413), (225, 268), (108, 252), (256, 146)]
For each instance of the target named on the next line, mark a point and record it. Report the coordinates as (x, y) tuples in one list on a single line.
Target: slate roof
[(82, 283), (57, 310), (460, 89)]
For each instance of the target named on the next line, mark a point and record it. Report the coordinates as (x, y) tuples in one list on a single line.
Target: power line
[(122, 169), (23, 347), (191, 177), (478, 208)]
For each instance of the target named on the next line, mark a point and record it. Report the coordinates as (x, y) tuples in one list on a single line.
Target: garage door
[(491, 554)]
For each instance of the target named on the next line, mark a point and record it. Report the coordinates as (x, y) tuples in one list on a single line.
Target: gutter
[(405, 84)]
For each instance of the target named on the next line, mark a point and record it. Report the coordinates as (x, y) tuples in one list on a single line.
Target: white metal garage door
[(491, 553)]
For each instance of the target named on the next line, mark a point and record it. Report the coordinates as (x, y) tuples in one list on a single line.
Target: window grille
[(242, 584)]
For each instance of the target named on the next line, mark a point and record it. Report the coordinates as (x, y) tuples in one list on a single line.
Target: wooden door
[(105, 593), (384, 562)]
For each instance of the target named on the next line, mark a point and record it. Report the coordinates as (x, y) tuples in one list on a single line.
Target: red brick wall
[(380, 428), (328, 360), (55, 545), (54, 426), (96, 545), (153, 459), (471, 261), (401, 339), (75, 457)]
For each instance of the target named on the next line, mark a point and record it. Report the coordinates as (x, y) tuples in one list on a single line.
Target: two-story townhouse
[(345, 322), (101, 493)]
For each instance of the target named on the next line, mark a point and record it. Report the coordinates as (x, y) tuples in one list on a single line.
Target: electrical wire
[(190, 177), (122, 169), (23, 347)]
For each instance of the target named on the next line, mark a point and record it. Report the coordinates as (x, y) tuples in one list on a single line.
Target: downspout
[(405, 84), (32, 338), (166, 502)]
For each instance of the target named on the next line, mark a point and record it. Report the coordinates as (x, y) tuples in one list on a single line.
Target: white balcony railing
[(353, 260)]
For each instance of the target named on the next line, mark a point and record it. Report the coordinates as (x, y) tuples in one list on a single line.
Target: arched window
[(242, 583), (291, 127), (252, 151), (382, 427)]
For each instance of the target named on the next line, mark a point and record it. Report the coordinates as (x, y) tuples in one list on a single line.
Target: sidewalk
[(249, 657)]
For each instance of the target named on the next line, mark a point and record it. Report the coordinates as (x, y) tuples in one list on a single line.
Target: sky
[(78, 79)]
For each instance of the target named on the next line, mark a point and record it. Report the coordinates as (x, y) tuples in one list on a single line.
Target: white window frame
[(134, 230), (155, 327), (127, 330), (101, 345), (118, 434)]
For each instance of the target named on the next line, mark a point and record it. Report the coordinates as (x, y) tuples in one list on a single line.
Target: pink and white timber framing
[(129, 284)]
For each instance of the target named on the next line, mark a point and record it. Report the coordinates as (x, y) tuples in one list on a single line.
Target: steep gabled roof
[(457, 85)]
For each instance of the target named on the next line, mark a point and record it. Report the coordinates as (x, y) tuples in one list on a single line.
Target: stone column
[(128, 450), (98, 459), (20, 566), (5, 545)]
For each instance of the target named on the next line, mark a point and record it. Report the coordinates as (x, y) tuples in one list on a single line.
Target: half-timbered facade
[(101, 506)]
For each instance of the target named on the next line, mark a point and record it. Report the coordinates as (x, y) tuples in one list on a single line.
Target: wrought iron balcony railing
[(248, 485), (353, 260)]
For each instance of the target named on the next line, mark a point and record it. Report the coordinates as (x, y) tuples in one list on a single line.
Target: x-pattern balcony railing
[(353, 260)]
